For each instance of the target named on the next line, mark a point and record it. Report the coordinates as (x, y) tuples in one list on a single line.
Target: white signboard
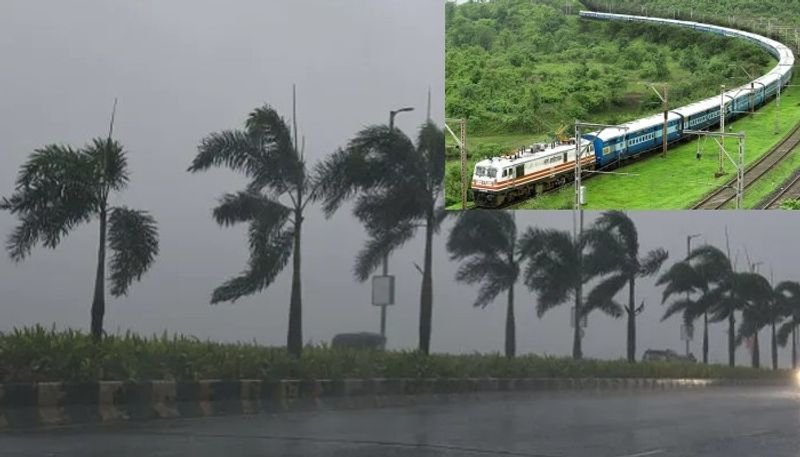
[(383, 290)]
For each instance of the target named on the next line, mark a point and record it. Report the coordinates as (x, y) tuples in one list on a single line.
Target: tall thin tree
[(487, 242), (558, 267), (60, 188), (397, 186), (267, 153), (616, 240)]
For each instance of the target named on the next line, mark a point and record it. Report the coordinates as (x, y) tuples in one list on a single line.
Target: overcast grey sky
[(185, 68)]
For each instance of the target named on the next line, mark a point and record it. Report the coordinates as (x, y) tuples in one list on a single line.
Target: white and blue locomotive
[(614, 145)]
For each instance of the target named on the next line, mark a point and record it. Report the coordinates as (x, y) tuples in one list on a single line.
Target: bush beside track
[(38, 355)]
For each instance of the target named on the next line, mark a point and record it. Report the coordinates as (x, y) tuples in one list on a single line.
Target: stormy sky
[(185, 68)]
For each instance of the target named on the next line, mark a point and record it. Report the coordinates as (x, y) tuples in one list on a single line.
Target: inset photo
[(620, 105)]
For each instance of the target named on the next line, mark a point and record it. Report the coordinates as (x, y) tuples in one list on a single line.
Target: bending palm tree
[(558, 267), (616, 240), (724, 298), (60, 188), (759, 310), (788, 296), (487, 240), (266, 153), (398, 185), (684, 277)]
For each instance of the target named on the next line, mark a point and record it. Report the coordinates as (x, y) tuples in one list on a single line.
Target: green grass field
[(680, 180)]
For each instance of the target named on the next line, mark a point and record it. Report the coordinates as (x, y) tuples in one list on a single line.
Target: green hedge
[(39, 354)]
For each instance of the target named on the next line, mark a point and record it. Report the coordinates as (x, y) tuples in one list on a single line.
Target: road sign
[(383, 290)]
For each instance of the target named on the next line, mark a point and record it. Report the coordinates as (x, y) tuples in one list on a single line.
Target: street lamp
[(688, 330), (383, 287)]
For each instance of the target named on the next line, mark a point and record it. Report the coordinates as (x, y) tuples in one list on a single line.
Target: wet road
[(714, 423)]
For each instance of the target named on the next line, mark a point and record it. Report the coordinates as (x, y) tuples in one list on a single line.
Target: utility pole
[(385, 265), (665, 101), (689, 327), (778, 110), (461, 141), (721, 170), (737, 163)]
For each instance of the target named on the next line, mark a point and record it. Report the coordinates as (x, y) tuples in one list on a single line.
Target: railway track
[(790, 191), (726, 193)]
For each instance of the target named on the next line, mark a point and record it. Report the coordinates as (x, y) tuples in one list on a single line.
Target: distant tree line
[(517, 66)]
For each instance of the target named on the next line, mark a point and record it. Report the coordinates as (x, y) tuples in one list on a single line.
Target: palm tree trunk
[(705, 338), (294, 338), (756, 352), (426, 298), (511, 333), (99, 300), (631, 321), (774, 344), (731, 340), (577, 352), (794, 349)]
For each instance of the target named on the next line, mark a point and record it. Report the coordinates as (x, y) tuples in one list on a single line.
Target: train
[(541, 167)]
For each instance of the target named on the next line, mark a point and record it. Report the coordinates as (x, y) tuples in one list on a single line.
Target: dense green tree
[(60, 188), (397, 187), (487, 243), (267, 154)]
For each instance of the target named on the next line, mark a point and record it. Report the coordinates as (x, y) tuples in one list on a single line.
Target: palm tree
[(60, 188), (487, 241), (788, 297), (267, 154), (616, 240), (685, 278), (558, 267), (398, 186), (759, 310)]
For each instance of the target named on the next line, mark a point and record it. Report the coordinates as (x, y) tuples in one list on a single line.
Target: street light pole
[(392, 114), (688, 251)]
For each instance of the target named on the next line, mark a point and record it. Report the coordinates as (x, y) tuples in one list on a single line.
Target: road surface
[(722, 422)]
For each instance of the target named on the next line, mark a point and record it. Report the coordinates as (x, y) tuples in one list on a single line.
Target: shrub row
[(39, 354)]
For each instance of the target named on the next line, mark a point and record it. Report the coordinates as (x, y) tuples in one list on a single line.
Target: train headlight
[(797, 377)]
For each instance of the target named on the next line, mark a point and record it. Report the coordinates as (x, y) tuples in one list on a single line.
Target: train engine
[(527, 172)]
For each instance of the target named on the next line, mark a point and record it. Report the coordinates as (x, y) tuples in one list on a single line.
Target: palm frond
[(620, 222), (282, 160), (481, 232), (56, 190), (681, 278), (552, 267), (133, 239), (375, 158), (379, 245), (604, 292), (785, 331), (110, 163), (652, 262), (682, 305), (247, 207), (270, 249), (229, 148)]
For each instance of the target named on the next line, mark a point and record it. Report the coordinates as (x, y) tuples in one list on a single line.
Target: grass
[(771, 181), (37, 354), (680, 180)]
